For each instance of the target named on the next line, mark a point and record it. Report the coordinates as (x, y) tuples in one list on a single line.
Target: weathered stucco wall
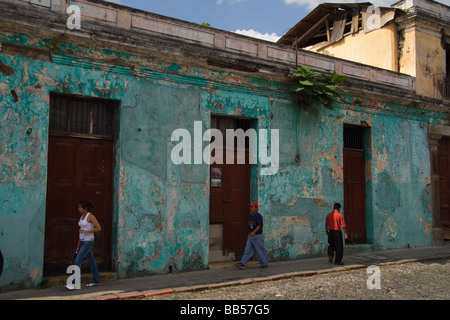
[(378, 48), (161, 210), (422, 35), (23, 149), (431, 63), (423, 56), (397, 180)]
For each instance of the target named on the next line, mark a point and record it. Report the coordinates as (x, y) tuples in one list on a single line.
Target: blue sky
[(267, 19)]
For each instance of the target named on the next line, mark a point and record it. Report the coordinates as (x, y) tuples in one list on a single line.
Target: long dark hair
[(86, 205)]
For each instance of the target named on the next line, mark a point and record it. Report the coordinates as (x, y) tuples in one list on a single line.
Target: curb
[(276, 277), (135, 296), (241, 282)]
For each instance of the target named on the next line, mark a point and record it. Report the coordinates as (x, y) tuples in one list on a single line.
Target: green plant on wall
[(54, 46), (319, 87)]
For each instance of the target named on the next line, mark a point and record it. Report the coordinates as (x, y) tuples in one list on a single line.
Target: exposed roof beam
[(311, 30)]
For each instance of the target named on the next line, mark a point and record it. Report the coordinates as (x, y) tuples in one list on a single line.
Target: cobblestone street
[(413, 281)]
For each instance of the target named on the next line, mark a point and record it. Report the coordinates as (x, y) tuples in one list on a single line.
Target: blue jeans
[(86, 252), (255, 243)]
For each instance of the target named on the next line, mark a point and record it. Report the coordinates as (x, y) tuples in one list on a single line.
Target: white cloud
[(255, 34), (219, 2)]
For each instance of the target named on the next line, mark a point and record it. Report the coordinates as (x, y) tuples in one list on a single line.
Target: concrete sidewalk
[(227, 275)]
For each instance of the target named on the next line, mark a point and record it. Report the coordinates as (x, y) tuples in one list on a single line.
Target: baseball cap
[(253, 204)]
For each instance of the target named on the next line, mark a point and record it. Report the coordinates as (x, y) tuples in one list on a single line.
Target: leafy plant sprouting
[(319, 87)]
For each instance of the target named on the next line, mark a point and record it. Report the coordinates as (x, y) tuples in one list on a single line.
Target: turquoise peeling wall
[(161, 210), (397, 180)]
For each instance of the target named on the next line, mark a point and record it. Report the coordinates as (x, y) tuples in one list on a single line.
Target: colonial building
[(410, 37), (115, 105)]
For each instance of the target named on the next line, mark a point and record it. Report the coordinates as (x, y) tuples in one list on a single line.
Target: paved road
[(413, 281)]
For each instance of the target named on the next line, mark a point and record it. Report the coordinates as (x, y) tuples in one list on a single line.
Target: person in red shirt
[(333, 224)]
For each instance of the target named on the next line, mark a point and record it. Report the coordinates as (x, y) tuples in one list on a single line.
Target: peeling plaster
[(161, 212)]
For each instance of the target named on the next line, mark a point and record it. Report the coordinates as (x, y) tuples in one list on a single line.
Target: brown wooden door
[(79, 169), (80, 161), (229, 204), (444, 180), (355, 195)]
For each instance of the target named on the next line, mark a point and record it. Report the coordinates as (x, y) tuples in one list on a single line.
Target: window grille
[(75, 115), (353, 137)]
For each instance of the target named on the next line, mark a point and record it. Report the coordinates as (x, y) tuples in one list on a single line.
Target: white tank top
[(85, 225)]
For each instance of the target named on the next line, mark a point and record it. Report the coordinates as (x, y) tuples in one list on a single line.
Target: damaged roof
[(330, 22)]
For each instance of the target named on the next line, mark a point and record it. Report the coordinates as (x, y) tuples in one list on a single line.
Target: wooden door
[(354, 193), (354, 185), (79, 168), (230, 191), (444, 181), (229, 203)]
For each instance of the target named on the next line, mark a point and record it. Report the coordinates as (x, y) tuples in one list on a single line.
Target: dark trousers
[(335, 244)]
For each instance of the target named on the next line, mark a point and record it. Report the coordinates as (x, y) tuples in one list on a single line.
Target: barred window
[(353, 137), (76, 115)]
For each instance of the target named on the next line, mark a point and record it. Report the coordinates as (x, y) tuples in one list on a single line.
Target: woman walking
[(88, 226)]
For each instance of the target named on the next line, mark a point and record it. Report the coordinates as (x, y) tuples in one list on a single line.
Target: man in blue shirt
[(255, 240)]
